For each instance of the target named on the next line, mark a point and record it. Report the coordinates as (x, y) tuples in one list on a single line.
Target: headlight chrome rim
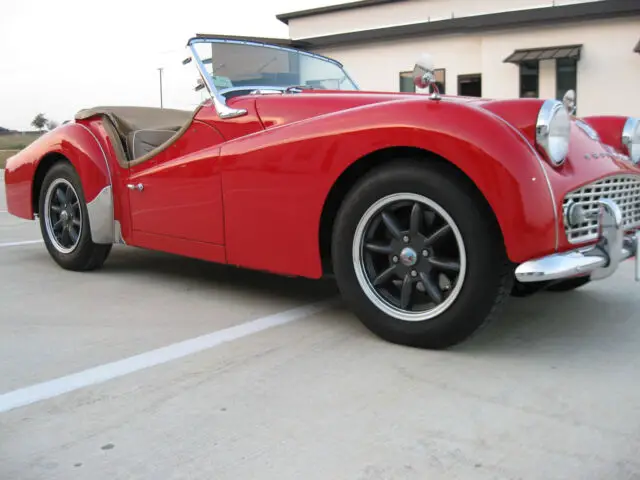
[(550, 112), (631, 139)]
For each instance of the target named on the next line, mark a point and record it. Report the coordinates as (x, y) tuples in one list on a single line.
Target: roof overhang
[(552, 15), (544, 53), (284, 42), (637, 49), (285, 17)]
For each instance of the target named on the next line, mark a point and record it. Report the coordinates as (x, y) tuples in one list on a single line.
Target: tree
[(51, 124), (39, 121)]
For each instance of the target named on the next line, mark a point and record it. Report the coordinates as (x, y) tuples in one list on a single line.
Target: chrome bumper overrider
[(599, 260)]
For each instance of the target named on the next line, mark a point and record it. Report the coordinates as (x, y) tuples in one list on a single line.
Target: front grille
[(624, 190)]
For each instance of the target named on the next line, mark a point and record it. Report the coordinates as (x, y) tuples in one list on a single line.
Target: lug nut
[(405, 239), (395, 259), (425, 253), (414, 273)]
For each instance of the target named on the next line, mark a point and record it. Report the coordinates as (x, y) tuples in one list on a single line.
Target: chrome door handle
[(138, 187)]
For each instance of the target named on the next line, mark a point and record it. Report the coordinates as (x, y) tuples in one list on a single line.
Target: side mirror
[(424, 75), (569, 101)]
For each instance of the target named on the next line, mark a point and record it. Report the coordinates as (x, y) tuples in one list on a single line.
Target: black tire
[(80, 253), (488, 275), (570, 284)]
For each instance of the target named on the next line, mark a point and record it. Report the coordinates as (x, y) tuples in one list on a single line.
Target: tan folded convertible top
[(129, 119), (126, 121)]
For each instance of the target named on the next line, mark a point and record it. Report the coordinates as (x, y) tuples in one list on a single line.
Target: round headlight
[(553, 130), (631, 138)]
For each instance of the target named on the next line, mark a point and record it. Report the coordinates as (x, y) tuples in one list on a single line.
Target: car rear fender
[(76, 144)]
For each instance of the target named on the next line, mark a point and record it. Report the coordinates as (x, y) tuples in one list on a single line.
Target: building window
[(470, 85), (407, 85), (406, 82), (441, 80), (566, 76), (529, 79)]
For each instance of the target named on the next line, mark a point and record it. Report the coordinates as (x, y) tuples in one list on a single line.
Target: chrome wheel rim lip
[(49, 222), (366, 284)]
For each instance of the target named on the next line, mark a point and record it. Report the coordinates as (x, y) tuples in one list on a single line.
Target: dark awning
[(637, 49), (546, 53)]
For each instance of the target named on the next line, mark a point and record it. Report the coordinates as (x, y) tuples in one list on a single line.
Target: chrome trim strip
[(628, 131), (118, 238), (101, 221), (254, 89), (588, 129), (102, 209), (541, 163), (195, 40)]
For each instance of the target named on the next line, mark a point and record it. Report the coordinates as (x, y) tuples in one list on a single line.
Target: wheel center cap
[(64, 216), (408, 257)]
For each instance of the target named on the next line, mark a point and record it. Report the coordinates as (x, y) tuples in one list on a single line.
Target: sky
[(58, 57)]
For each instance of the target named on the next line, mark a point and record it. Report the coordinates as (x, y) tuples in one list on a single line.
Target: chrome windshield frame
[(219, 101)]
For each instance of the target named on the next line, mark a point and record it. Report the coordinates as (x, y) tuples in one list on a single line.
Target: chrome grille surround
[(624, 190)]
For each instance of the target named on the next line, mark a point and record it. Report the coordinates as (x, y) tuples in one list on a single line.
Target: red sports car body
[(279, 170)]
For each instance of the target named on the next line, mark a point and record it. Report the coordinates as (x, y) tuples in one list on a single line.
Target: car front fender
[(291, 169)]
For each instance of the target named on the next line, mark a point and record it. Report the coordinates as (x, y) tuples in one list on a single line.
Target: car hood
[(276, 110), (521, 113)]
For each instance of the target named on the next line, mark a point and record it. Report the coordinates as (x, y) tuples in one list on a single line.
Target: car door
[(177, 193)]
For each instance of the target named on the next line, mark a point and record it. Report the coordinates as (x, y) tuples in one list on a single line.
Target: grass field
[(4, 154), (10, 144), (17, 141)]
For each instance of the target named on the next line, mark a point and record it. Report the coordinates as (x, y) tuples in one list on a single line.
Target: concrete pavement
[(548, 391)]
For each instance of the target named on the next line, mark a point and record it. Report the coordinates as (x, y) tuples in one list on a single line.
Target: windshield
[(233, 64)]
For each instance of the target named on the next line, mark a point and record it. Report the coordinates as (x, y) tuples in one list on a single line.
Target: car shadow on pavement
[(597, 316), (129, 262)]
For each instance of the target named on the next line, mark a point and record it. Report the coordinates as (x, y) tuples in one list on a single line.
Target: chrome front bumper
[(599, 261)]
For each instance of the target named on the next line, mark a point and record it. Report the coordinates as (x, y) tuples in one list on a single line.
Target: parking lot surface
[(547, 391)]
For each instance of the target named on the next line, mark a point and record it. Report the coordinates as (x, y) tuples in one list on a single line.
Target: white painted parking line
[(92, 376), (18, 244)]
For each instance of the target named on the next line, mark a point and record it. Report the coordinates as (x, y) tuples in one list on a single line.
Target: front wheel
[(416, 256), (64, 221)]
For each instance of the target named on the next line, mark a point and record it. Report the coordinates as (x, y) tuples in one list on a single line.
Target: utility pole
[(160, 70)]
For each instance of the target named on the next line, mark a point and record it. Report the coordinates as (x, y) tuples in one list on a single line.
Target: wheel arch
[(45, 164), (79, 148), (379, 158)]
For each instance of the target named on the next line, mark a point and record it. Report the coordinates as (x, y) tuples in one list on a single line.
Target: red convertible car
[(427, 209)]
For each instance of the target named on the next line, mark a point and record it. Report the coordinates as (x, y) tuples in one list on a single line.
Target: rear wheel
[(64, 221), (417, 258)]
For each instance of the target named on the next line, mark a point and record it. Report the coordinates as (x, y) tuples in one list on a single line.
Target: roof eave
[(511, 19), (341, 7)]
